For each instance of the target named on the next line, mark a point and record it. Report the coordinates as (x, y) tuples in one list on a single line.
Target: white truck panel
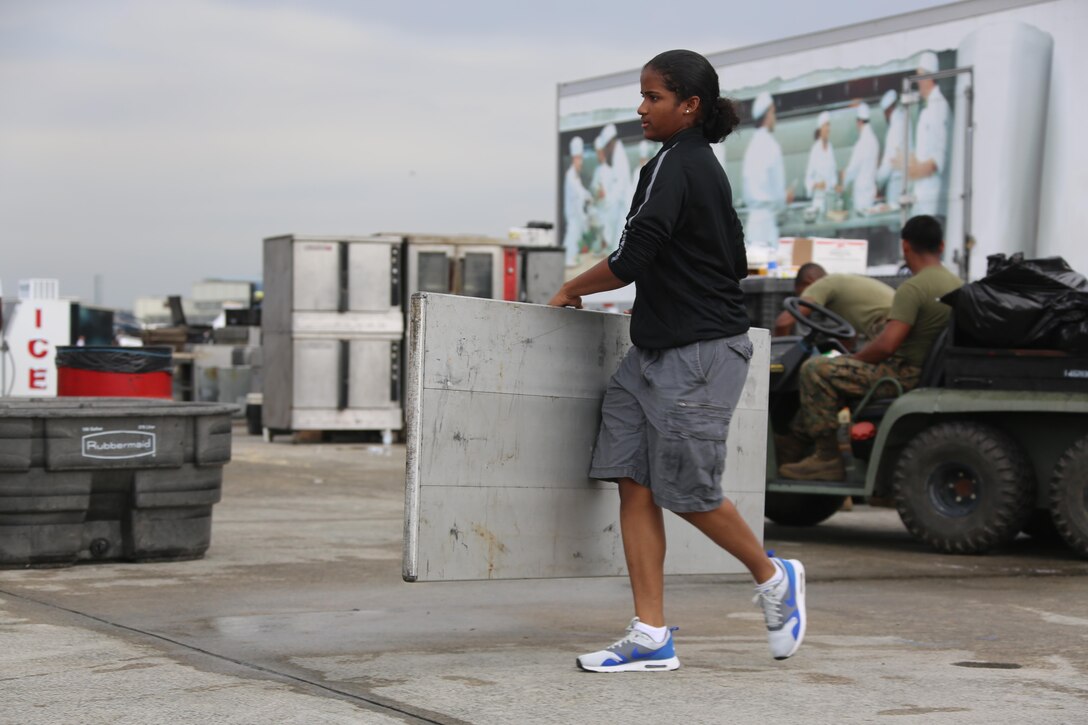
[(1033, 204)]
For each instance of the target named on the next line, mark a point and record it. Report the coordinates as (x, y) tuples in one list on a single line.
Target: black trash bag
[(1073, 337), (1023, 303), (116, 359)]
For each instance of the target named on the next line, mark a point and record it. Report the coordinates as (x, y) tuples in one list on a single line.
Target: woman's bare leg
[(642, 526), (727, 529)]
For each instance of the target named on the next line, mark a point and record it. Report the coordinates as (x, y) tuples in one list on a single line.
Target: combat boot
[(790, 448), (825, 464)]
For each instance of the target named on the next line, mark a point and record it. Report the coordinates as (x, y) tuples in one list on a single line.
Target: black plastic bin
[(109, 478)]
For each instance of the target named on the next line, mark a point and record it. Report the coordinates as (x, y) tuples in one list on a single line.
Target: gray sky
[(157, 143)]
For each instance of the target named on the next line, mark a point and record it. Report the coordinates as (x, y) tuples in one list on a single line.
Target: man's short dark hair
[(924, 234), (808, 273)]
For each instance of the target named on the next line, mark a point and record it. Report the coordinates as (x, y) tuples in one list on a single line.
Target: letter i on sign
[(38, 318)]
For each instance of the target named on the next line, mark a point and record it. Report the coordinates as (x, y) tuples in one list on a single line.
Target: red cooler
[(115, 372)]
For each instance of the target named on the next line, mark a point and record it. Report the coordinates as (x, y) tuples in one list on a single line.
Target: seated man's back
[(917, 304), (862, 301)]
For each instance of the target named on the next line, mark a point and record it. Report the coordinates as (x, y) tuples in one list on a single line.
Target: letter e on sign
[(37, 379)]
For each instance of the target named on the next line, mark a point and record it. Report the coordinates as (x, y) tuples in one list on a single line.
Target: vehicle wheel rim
[(954, 489)]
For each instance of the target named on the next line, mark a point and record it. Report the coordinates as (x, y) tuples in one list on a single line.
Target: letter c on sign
[(38, 347)]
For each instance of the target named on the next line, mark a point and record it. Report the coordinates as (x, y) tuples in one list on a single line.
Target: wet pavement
[(298, 614)]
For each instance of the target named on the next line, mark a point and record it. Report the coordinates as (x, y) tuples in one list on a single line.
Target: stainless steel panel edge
[(413, 421)]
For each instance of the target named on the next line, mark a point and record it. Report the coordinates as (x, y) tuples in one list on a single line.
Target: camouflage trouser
[(828, 384)]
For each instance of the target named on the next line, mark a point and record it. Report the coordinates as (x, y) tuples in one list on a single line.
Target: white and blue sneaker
[(784, 608), (636, 652)]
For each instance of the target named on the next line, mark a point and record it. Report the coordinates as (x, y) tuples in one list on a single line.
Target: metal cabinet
[(333, 318), (333, 325)]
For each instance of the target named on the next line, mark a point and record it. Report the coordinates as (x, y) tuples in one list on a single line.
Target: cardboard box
[(845, 256)]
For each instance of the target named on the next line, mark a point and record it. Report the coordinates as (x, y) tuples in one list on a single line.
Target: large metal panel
[(502, 410)]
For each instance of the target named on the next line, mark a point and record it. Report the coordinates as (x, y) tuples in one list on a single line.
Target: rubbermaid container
[(109, 479), (140, 372)]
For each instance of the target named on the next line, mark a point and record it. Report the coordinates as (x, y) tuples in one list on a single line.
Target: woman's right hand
[(564, 299)]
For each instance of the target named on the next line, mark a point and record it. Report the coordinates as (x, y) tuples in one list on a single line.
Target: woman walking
[(667, 409)]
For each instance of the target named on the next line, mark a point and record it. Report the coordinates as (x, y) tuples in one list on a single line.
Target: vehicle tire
[(963, 487), (801, 509), (1069, 497)]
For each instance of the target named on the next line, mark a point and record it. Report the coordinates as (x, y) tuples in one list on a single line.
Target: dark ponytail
[(688, 74)]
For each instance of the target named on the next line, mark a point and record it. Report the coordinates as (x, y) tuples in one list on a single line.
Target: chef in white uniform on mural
[(890, 172), (618, 205), (644, 154), (603, 187), (575, 199), (764, 176), (618, 158), (927, 163), (861, 169), (821, 174)]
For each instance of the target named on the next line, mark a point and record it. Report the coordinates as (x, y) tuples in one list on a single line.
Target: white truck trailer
[(984, 101), (1005, 137)]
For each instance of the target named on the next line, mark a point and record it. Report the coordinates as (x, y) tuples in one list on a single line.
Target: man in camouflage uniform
[(914, 321)]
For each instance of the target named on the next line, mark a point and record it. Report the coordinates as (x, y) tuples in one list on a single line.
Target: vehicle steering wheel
[(823, 320)]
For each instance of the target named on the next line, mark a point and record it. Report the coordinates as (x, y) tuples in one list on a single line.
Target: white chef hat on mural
[(928, 62), (761, 104), (607, 134)]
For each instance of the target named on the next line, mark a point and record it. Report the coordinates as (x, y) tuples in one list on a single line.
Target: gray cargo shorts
[(665, 418)]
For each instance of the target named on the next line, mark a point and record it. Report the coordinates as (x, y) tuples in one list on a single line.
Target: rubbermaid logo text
[(119, 444)]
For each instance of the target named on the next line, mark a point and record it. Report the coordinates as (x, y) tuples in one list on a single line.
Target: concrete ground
[(298, 615)]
